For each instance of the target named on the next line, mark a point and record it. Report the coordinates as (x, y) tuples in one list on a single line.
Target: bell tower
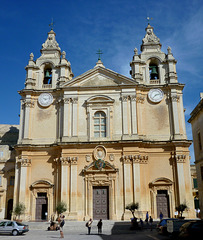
[(152, 66), (51, 69)]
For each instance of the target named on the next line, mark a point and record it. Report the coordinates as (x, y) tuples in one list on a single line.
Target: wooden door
[(162, 203), (100, 203), (41, 207)]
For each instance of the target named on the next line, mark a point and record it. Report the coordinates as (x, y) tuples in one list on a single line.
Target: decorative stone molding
[(126, 159), (133, 97), (140, 99), (25, 162), (88, 158), (73, 160), (111, 157), (180, 158), (51, 42), (99, 152), (69, 160), (135, 159), (59, 101), (75, 100), (124, 98), (28, 103), (175, 98), (150, 36), (70, 99), (64, 161), (66, 100)]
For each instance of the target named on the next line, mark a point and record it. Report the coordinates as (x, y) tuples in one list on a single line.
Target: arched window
[(99, 124)]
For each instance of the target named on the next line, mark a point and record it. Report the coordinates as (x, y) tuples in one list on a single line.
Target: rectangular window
[(0, 180), (99, 124), (199, 141), (1, 154)]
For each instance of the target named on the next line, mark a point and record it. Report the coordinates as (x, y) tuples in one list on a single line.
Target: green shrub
[(61, 207), (19, 209)]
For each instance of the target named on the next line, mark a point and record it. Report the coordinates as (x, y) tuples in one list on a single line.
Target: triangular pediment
[(100, 76)]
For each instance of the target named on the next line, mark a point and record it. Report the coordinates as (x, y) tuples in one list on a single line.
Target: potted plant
[(181, 208), (132, 207), (61, 207), (19, 209)]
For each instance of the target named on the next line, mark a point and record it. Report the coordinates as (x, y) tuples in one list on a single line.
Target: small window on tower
[(47, 76)]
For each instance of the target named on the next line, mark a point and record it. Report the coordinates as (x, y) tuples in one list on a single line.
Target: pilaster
[(27, 103), (174, 102)]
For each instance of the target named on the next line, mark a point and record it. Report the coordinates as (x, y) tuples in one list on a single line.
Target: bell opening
[(153, 72), (47, 76)]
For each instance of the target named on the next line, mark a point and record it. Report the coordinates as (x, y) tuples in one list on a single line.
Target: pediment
[(161, 181), (42, 184), (91, 168), (100, 99), (100, 77)]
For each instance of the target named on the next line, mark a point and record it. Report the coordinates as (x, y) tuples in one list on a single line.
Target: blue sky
[(82, 27)]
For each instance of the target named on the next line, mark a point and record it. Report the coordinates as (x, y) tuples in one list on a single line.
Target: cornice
[(138, 142)]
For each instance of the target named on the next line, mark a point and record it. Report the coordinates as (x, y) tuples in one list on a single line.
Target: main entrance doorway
[(41, 206), (100, 202), (162, 201)]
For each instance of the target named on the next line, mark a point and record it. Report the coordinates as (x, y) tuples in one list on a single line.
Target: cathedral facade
[(101, 140)]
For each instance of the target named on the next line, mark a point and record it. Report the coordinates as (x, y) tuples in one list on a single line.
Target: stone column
[(180, 160), (28, 103), (124, 115), (25, 175), (133, 115), (75, 117), (65, 116), (64, 181), (21, 132), (73, 186), (136, 179), (17, 182), (140, 100), (127, 183)]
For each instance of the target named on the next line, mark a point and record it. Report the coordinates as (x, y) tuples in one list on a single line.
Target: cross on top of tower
[(149, 19), (99, 52), (51, 24)]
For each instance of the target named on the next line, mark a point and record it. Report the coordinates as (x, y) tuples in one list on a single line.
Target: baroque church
[(101, 140)]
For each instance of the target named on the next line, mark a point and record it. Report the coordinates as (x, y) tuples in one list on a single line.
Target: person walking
[(99, 225), (89, 225), (161, 215), (61, 221), (150, 222), (141, 224), (147, 217)]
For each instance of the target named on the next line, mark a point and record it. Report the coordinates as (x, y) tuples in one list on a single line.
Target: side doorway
[(9, 208)]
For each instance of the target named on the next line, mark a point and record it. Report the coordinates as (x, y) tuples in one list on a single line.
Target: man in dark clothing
[(99, 225)]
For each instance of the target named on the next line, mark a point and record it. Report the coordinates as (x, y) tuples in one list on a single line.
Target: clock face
[(45, 99), (155, 95)]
